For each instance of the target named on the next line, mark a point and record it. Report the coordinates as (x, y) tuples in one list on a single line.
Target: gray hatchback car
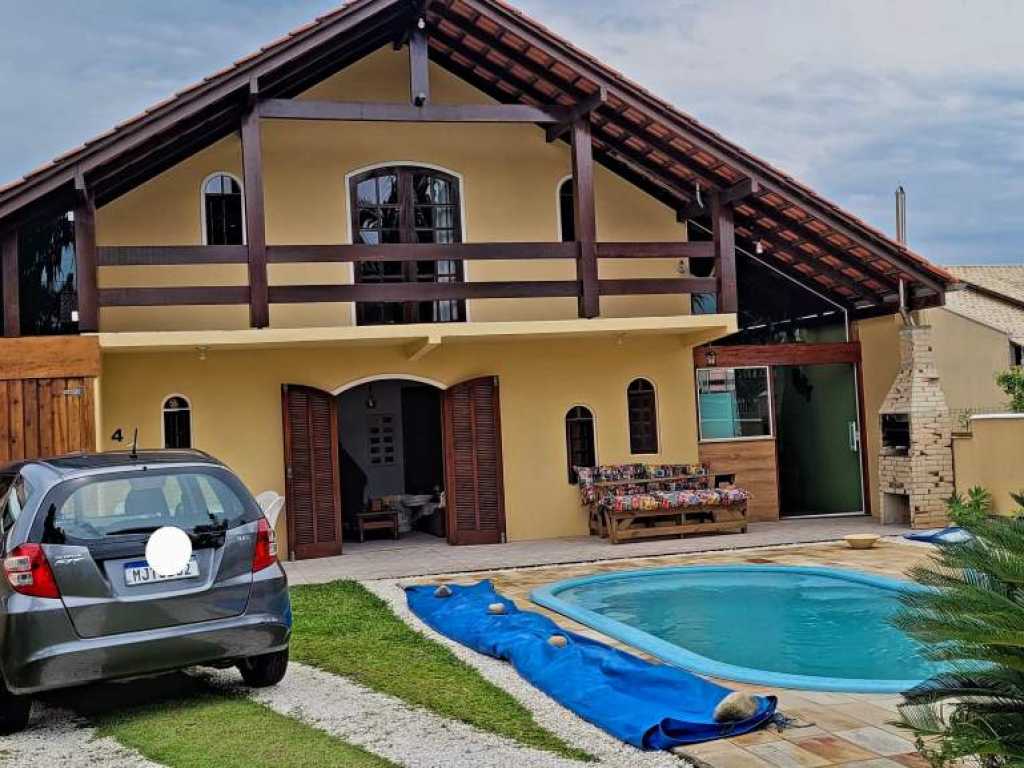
[(79, 602)]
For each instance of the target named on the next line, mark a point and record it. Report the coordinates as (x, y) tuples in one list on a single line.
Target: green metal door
[(818, 434)]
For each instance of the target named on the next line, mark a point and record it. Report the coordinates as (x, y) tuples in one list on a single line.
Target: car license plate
[(138, 573)]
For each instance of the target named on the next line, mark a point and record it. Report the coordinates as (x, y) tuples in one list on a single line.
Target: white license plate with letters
[(138, 573)]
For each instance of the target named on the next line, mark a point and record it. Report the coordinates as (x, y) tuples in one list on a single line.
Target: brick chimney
[(915, 468)]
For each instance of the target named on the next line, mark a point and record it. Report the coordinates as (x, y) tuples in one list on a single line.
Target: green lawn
[(188, 725), (344, 629)]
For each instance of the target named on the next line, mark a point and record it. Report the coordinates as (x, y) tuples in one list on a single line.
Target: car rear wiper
[(138, 529)]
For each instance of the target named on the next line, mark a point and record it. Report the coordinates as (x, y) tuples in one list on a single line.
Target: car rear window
[(101, 507)]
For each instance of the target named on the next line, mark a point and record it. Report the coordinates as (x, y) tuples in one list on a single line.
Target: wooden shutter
[(312, 472), (472, 455)]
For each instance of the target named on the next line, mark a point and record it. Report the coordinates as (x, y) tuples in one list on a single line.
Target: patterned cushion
[(646, 495)]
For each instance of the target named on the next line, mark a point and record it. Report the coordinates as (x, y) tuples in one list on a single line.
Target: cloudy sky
[(851, 96)]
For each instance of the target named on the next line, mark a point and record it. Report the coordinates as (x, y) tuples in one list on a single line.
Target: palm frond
[(969, 614)]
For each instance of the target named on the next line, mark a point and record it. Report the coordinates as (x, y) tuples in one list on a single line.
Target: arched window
[(177, 415), (566, 212), (223, 221), (579, 439), (407, 204), (643, 417)]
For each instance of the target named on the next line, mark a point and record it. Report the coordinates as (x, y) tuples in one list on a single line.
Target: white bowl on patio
[(861, 540)]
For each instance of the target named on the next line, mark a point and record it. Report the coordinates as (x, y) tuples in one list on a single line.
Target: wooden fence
[(47, 396)]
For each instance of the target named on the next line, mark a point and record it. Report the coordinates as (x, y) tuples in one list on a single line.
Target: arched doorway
[(392, 456)]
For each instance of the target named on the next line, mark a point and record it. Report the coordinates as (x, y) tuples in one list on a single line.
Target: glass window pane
[(734, 402), (47, 277), (366, 192), (387, 189), (566, 214), (369, 218)]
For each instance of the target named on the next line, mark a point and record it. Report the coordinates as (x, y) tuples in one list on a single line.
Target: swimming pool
[(795, 627)]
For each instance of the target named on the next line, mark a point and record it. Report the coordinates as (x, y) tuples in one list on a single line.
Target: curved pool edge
[(547, 597)]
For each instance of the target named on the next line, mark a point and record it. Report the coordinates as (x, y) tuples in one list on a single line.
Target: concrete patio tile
[(799, 734), (708, 748), (867, 712), (724, 755), (836, 750), (887, 701), (763, 736), (785, 754), (824, 697), (825, 717), (878, 741)]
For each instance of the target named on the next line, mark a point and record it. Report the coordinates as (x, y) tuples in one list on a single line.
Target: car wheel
[(262, 671), (14, 711)]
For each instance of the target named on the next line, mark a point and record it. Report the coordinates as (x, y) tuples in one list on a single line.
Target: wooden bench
[(646, 502), (377, 517)]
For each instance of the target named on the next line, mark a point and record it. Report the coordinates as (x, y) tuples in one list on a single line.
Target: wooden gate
[(472, 459), (47, 396), (312, 471)]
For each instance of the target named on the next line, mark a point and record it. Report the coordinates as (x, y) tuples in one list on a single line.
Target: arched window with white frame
[(177, 422), (408, 204), (223, 210)]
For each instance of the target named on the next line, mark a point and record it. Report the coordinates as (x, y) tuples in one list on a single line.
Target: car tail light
[(265, 553), (29, 573)]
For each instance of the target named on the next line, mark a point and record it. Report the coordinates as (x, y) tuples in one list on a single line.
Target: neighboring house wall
[(990, 457), (968, 355), (880, 362), (510, 178), (236, 406)]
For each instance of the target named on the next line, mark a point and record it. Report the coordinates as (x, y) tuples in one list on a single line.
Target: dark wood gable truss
[(535, 77)]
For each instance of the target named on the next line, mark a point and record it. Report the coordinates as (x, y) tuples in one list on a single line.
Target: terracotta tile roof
[(665, 149)]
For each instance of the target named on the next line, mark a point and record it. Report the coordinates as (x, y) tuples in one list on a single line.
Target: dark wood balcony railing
[(397, 292)]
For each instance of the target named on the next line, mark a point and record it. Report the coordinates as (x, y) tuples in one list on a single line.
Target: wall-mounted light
[(202, 352), (371, 401), (711, 357)]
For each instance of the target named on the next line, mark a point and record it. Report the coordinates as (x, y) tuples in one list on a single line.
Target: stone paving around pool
[(838, 729)]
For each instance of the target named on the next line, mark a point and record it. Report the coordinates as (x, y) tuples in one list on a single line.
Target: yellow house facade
[(444, 272)]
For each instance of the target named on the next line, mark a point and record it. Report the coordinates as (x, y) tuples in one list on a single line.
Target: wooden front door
[(312, 471), (472, 460)]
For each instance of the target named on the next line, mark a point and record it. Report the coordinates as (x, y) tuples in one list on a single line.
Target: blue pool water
[(816, 628)]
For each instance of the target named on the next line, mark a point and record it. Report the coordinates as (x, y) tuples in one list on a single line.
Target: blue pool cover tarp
[(651, 706)]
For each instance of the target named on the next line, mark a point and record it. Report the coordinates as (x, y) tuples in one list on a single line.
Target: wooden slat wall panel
[(46, 417), (5, 430), (41, 357), (755, 465), (16, 420)]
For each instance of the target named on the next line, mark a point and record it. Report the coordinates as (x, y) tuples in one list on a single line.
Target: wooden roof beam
[(581, 111), (738, 192), (390, 112), (759, 234), (705, 141)]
